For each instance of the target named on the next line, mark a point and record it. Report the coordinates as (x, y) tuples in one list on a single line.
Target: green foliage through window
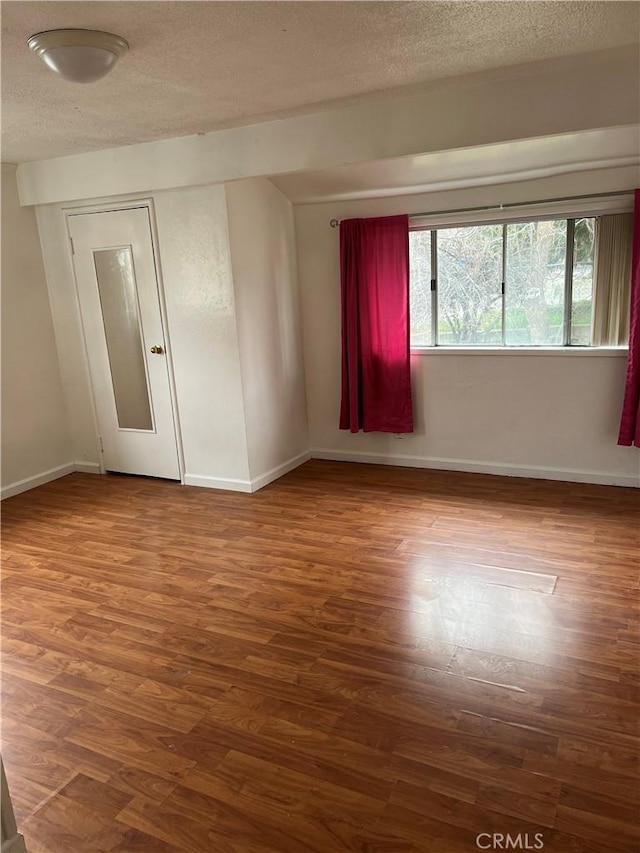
[(514, 284)]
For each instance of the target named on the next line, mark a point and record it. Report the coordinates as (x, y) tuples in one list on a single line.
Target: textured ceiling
[(200, 66)]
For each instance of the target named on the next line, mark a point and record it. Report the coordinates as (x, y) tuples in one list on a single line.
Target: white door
[(118, 294)]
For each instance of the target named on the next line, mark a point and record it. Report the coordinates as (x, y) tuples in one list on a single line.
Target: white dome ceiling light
[(82, 56)]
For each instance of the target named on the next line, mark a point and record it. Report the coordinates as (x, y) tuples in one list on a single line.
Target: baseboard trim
[(247, 486), (36, 480), (504, 470), (279, 471), (47, 477), (441, 464), (87, 467), (224, 483), (15, 844)]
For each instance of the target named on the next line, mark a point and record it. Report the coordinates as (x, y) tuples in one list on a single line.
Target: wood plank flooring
[(355, 658)]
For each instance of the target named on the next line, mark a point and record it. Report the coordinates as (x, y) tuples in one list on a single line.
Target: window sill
[(563, 352)]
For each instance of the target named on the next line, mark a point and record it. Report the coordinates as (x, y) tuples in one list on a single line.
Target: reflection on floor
[(355, 658)]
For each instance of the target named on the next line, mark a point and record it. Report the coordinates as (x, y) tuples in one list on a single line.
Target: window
[(518, 283)]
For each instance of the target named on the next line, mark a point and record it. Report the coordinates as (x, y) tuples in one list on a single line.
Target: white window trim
[(560, 351), (527, 212), (565, 209)]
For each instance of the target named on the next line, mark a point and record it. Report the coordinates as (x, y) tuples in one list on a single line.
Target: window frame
[(569, 212)]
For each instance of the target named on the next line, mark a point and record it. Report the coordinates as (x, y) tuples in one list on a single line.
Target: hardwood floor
[(355, 658)]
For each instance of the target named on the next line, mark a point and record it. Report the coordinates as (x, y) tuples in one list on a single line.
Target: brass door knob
[(157, 350)]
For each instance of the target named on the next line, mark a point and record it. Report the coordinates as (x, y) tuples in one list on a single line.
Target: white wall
[(35, 435), (263, 257), (198, 286), (552, 415)]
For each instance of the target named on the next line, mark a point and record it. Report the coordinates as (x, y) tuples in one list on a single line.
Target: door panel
[(118, 295)]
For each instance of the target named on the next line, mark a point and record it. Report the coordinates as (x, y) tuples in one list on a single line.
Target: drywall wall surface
[(198, 287), (552, 414), (263, 256), (569, 94), (65, 311), (35, 431)]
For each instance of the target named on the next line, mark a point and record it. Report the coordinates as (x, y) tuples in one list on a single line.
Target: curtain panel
[(630, 421), (376, 377), (612, 280)]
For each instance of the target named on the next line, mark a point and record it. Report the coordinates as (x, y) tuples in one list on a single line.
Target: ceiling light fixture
[(82, 56)]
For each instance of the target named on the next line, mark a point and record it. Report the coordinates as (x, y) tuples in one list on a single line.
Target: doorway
[(117, 283)]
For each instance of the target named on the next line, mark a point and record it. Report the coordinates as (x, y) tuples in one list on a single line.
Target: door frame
[(114, 207)]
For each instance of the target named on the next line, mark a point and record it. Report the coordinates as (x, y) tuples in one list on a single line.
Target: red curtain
[(376, 378), (630, 422)]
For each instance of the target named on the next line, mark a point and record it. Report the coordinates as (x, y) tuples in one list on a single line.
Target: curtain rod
[(335, 222)]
